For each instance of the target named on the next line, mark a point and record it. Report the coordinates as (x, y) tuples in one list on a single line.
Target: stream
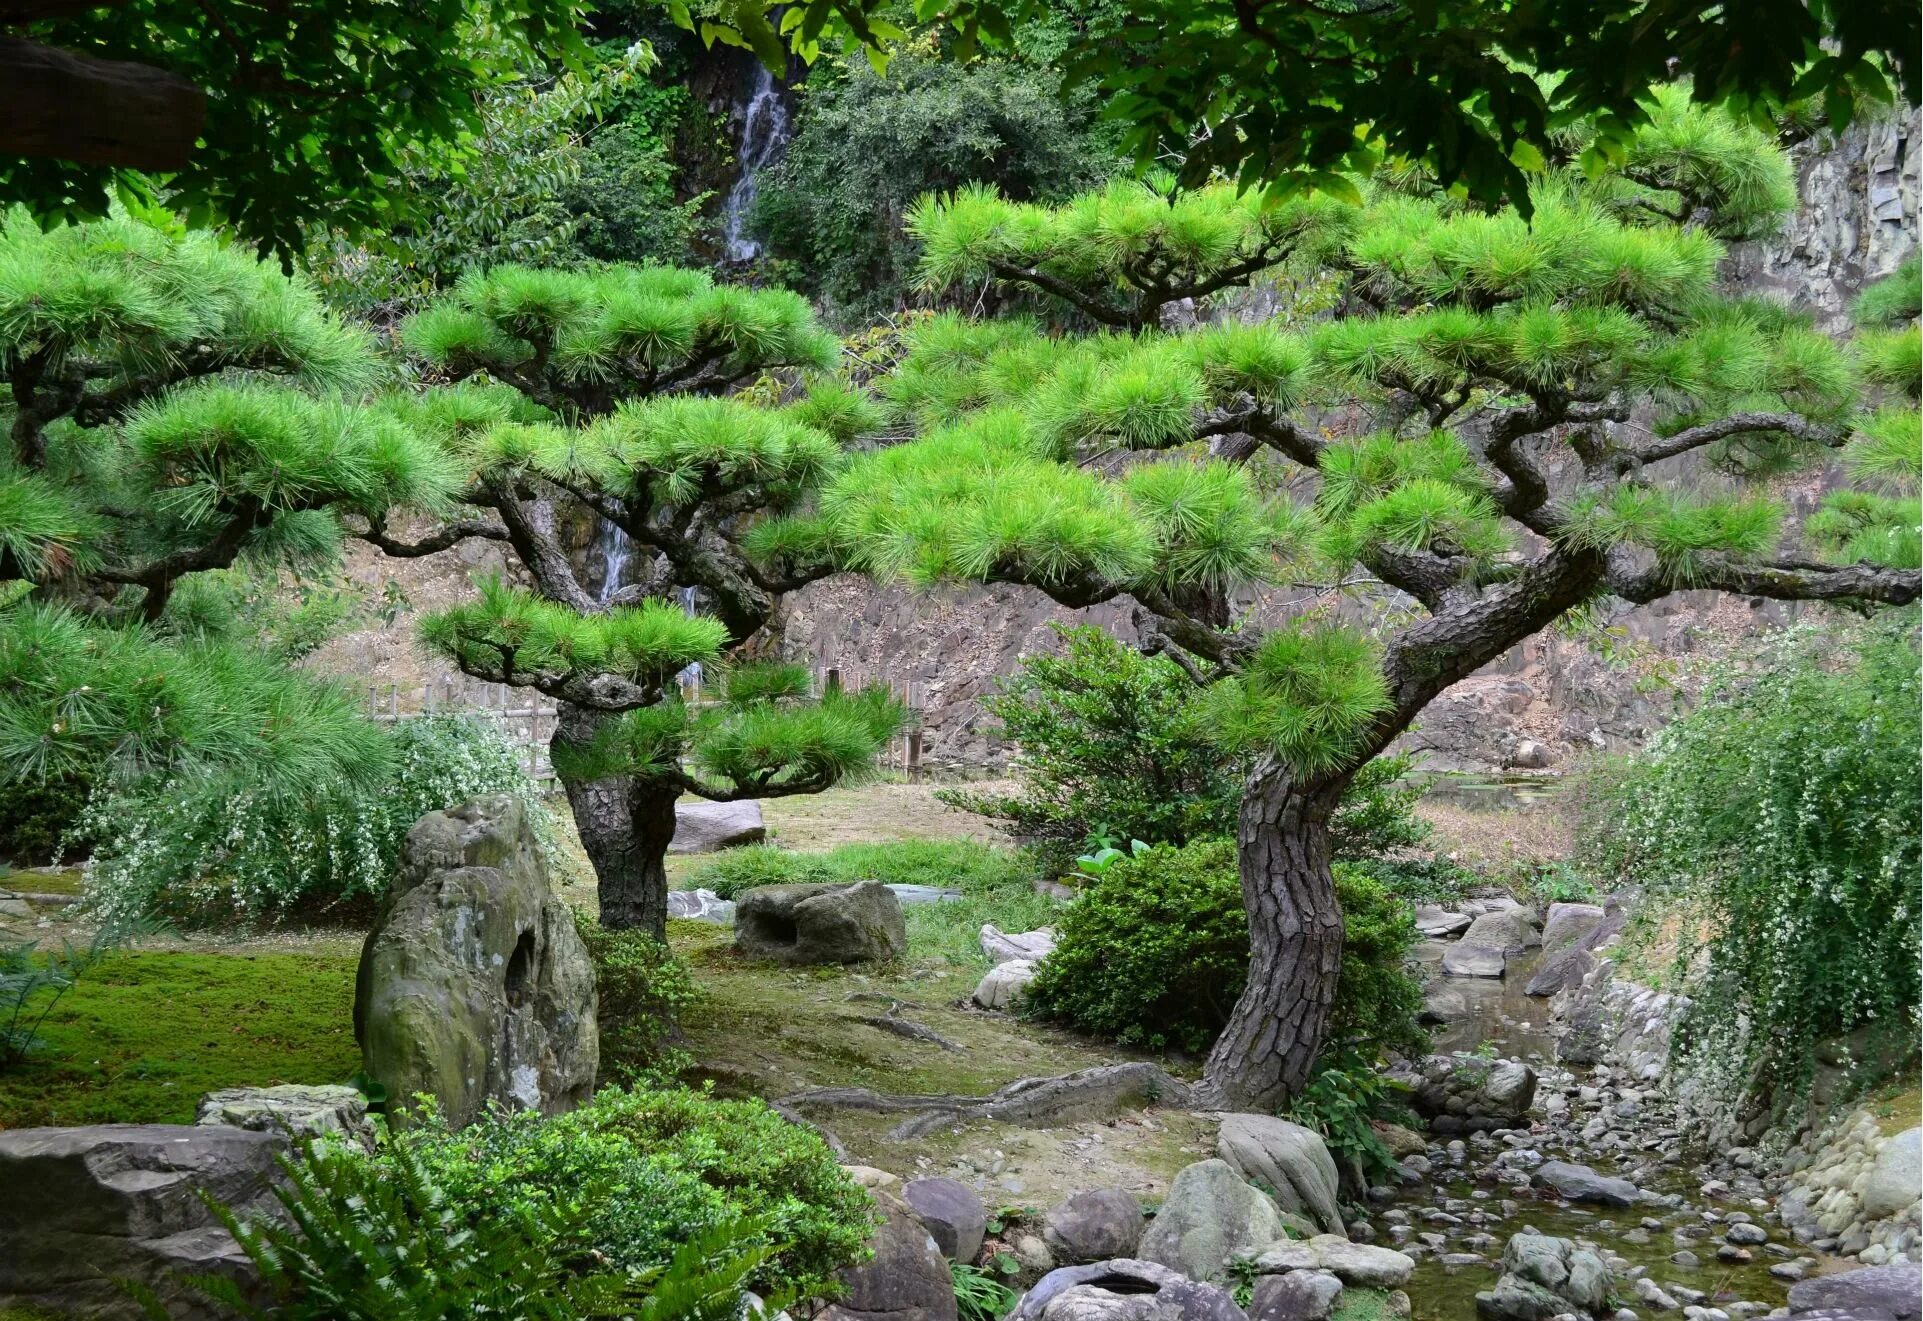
[(1676, 1248)]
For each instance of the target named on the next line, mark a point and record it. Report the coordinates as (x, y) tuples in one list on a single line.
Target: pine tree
[(1503, 422), (633, 370)]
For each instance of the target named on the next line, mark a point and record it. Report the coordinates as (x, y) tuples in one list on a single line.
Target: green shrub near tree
[(674, 1163), (1155, 952), (642, 988), (1777, 827), (235, 848)]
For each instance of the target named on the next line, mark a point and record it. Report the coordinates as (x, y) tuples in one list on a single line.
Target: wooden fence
[(528, 716)]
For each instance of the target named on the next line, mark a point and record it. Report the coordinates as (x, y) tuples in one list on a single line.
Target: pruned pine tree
[(1503, 424), (175, 405), (633, 368)]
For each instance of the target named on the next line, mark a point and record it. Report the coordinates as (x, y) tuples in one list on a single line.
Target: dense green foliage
[(1156, 951), (145, 1035), (364, 1240), (870, 144), (310, 116), (642, 988), (674, 1163), (239, 849), (1778, 825), (1476, 96), (39, 820), (1122, 745)]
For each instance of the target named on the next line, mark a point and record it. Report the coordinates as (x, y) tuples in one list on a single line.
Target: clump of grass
[(141, 1038)]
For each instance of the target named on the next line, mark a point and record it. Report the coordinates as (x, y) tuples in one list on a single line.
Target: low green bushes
[(1156, 952), (643, 987), (672, 1164), (198, 852)]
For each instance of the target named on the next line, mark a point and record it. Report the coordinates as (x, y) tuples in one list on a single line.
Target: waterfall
[(691, 676), (764, 132), (616, 550)]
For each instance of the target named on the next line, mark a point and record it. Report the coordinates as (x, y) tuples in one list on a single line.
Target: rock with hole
[(821, 924), (474, 987)]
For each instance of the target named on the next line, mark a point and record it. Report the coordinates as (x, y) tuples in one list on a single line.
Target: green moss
[(1363, 1305), (142, 1037)]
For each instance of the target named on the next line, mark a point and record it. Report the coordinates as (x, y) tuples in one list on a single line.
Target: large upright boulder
[(1291, 1162), (907, 1278), (1210, 1218), (85, 1207), (1096, 1225), (474, 986), (820, 924)]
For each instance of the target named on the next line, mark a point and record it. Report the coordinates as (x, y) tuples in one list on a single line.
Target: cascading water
[(764, 132), (616, 550), (691, 676)]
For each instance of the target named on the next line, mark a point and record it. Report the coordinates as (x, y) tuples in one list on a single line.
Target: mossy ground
[(140, 1038)]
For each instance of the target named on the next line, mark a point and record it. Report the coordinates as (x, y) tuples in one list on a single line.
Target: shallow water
[(1463, 1186)]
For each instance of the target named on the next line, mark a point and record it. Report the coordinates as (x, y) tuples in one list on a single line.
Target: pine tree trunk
[(626, 823), (1266, 1053)]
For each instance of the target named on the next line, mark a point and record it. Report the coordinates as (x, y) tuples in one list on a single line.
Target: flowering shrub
[(1777, 827), (218, 850)]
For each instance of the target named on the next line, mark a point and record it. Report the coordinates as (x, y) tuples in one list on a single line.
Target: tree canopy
[(1502, 421), (270, 118)]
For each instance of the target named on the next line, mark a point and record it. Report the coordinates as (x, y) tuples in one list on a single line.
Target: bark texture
[(1265, 1054), (626, 823)]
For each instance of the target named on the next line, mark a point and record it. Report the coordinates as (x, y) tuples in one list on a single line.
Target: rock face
[(1464, 959), (1297, 1296), (1579, 1183), (953, 1214), (1288, 1160), (1473, 1092), (1896, 1176), (906, 1280), (706, 827), (1569, 959), (1002, 985), (1544, 1277), (474, 986), (821, 924), (1093, 1226), (1358, 1264), (298, 1112), (1126, 1289), (700, 906), (85, 1206), (1891, 1289), (1210, 1217)]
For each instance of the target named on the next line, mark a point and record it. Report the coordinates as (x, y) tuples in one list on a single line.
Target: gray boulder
[(700, 906), (1469, 1087), (1437, 922), (1892, 1289), (1297, 1296), (1566, 924), (953, 1214), (707, 827), (1126, 1289), (474, 986), (1566, 965), (1515, 1299), (1209, 1218), (821, 924), (1506, 929), (907, 1279), (1093, 1226), (1896, 1177), (1361, 1265), (1576, 1275), (84, 1207), (1005, 945), (1290, 1162), (1579, 1183), (1002, 985), (327, 1110), (1467, 959)]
